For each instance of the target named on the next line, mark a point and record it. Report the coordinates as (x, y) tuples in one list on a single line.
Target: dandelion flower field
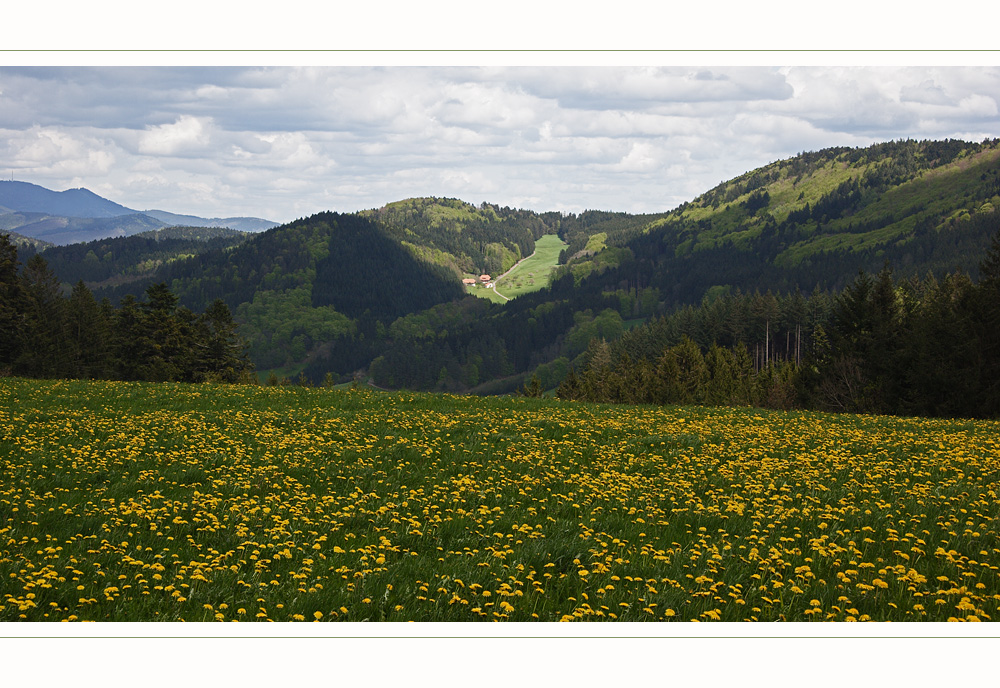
[(145, 502)]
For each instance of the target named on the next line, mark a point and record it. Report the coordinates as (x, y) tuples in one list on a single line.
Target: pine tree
[(13, 306), (162, 338), (570, 388), (88, 334), (988, 307), (224, 353), (45, 339)]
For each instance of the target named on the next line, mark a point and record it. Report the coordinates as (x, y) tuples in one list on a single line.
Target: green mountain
[(817, 218), (379, 291), (308, 285), (462, 237), (120, 260), (800, 226)]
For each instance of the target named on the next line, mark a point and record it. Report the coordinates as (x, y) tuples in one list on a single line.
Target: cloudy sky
[(285, 142)]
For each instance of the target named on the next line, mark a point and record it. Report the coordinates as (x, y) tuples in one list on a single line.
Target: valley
[(378, 294)]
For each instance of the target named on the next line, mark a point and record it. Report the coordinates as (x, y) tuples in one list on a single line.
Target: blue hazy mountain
[(80, 215), (31, 198)]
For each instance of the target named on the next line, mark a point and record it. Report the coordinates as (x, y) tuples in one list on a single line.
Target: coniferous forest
[(884, 345), (49, 335)]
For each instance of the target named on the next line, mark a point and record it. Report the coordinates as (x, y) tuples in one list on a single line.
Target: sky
[(634, 131)]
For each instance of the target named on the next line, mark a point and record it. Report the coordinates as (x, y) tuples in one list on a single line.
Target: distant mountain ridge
[(241, 224), (80, 215), (31, 198)]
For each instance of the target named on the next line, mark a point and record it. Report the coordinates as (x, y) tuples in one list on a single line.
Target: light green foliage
[(607, 324), (596, 242), (287, 322), (501, 254)]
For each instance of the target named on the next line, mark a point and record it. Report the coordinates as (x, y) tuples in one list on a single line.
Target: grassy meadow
[(534, 271), (161, 502)]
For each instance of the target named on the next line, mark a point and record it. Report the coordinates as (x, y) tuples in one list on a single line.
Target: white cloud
[(284, 142), (186, 135)]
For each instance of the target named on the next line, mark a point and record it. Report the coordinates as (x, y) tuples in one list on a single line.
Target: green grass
[(484, 293), (145, 502), (533, 272)]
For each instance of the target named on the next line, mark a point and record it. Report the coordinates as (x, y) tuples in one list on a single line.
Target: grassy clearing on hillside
[(533, 272), (138, 502), (484, 293)]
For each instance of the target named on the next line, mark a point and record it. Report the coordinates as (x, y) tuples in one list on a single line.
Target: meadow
[(533, 272), (161, 502)]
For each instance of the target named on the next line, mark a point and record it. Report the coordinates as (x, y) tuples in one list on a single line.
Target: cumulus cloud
[(186, 135), (282, 142)]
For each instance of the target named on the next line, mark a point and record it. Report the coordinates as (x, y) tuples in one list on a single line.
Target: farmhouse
[(484, 278), (468, 281)]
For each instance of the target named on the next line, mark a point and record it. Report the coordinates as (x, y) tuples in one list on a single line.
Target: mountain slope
[(79, 215), (62, 230), (815, 219), (806, 224), (31, 198), (467, 239), (119, 260), (305, 284)]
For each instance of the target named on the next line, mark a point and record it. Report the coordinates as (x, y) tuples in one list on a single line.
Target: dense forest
[(883, 345), (109, 262), (306, 285), (49, 335)]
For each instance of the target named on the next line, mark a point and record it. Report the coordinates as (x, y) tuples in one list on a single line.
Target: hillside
[(379, 291), (63, 230), (467, 239), (814, 220), (801, 226), (25, 242), (317, 288), (119, 260), (320, 282)]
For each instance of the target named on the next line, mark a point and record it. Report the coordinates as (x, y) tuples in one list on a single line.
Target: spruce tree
[(88, 333), (13, 306), (44, 336)]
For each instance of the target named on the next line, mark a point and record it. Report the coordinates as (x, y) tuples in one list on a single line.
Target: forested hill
[(120, 260), (379, 291), (467, 239), (803, 226), (815, 219), (305, 284)]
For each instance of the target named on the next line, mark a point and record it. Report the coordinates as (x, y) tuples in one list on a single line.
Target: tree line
[(883, 345), (49, 335)]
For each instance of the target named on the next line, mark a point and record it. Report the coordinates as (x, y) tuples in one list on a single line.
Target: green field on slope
[(533, 272)]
